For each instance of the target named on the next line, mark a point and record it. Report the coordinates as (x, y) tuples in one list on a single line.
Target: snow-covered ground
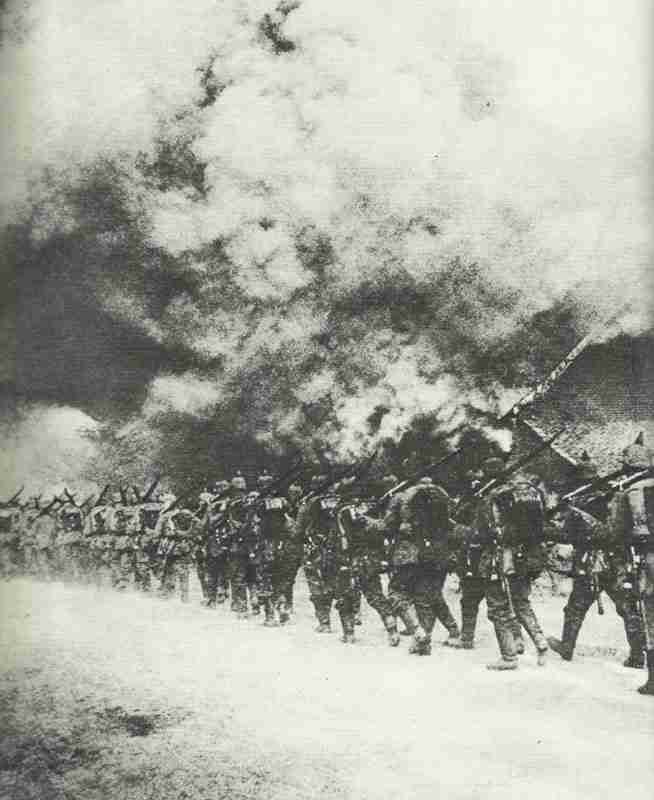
[(122, 696)]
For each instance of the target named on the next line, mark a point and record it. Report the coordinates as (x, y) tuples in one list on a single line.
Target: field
[(108, 695)]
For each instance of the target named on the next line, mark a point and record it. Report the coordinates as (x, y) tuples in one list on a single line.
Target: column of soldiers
[(248, 546)]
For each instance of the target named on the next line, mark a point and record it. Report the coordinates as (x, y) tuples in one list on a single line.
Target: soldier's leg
[(472, 593), (212, 568), (499, 613), (319, 596), (627, 607), (201, 570), (441, 608), (520, 589), (423, 598), (252, 587), (183, 574), (574, 613), (371, 588), (238, 580), (401, 594), (645, 590), (222, 584)]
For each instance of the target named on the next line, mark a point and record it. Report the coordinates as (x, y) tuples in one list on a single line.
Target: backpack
[(639, 511), (518, 510)]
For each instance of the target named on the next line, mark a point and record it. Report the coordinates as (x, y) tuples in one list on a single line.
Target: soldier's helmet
[(586, 470), (638, 455), (167, 498), (264, 481), (317, 481), (294, 491), (238, 482), (426, 481)]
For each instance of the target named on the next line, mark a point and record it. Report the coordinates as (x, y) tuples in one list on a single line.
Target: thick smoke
[(306, 226)]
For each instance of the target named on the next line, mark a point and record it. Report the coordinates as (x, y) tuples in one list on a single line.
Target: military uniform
[(599, 565), (510, 524), (70, 541), (366, 546), (146, 554), (274, 557), (124, 523), (418, 526), (178, 532), (10, 530), (326, 564), (239, 569), (218, 547), (631, 525)]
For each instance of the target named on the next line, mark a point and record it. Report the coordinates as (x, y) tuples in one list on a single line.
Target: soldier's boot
[(565, 646), (270, 620), (347, 623), (357, 610), (516, 630), (391, 629), (421, 645), (454, 634), (636, 639), (508, 656), (530, 623), (466, 641), (648, 687), (322, 615)]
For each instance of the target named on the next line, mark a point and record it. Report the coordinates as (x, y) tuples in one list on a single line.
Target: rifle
[(356, 469), (541, 389), (13, 499), (609, 479), (522, 462), (632, 584), (46, 509), (98, 502), (418, 476)]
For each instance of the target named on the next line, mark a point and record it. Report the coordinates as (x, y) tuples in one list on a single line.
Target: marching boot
[(347, 623), (269, 612), (322, 610), (391, 628), (636, 639), (516, 630), (466, 641), (508, 656), (421, 645), (648, 687), (565, 646)]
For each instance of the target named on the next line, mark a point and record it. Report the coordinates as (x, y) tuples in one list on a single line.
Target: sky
[(229, 214)]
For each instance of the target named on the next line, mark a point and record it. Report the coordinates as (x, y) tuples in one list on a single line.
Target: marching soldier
[(364, 539), (179, 530), (326, 563), (295, 545), (510, 523), (238, 564), (598, 565), (274, 557), (70, 539), (631, 523), (419, 528), (218, 543)]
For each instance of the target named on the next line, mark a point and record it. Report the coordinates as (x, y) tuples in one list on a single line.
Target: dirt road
[(109, 695)]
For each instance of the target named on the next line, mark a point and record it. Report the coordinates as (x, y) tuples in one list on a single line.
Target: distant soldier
[(598, 566), (98, 536), (218, 543), (631, 522), (146, 556), (364, 539), (179, 530), (295, 546), (510, 523), (466, 561), (275, 556), (10, 534), (28, 536), (44, 530), (70, 539), (419, 528), (239, 570), (125, 526), (316, 527)]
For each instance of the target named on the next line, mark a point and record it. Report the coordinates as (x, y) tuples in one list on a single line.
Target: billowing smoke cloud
[(314, 221)]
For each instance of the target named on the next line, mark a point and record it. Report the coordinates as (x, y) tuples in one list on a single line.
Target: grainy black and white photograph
[(326, 400)]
